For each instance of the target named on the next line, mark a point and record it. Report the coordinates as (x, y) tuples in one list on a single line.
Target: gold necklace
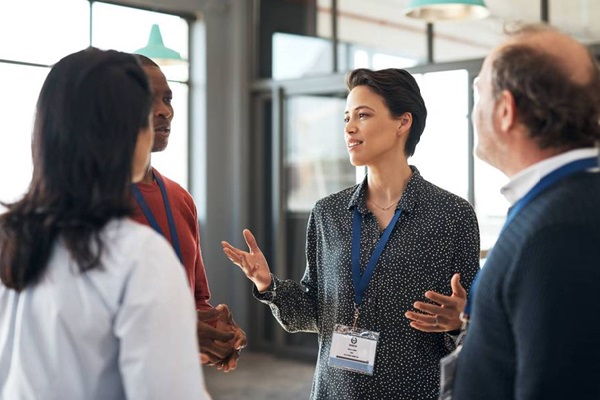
[(384, 208)]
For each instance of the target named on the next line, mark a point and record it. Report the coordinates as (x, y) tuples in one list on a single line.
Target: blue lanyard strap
[(544, 183), (152, 220), (361, 281)]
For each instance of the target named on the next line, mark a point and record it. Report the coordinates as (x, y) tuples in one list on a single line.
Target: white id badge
[(353, 349)]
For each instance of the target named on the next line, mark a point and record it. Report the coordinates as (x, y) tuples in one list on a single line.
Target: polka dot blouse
[(436, 236)]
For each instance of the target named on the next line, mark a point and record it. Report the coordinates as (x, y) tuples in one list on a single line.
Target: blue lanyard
[(152, 220), (547, 181), (361, 281)]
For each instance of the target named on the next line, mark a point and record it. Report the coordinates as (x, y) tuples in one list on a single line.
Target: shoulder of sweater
[(572, 197), (573, 203)]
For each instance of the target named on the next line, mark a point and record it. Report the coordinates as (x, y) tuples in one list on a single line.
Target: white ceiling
[(382, 24)]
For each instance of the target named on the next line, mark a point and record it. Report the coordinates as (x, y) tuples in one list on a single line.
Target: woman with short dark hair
[(380, 256)]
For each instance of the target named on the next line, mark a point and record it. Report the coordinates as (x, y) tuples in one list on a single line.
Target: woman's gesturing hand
[(443, 315), (253, 263)]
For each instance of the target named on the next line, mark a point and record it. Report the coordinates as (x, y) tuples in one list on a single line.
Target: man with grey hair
[(534, 332)]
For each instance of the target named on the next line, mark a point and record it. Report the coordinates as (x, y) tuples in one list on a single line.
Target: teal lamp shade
[(446, 10), (157, 51)]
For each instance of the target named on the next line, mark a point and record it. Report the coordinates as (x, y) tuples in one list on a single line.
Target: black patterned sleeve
[(293, 304)]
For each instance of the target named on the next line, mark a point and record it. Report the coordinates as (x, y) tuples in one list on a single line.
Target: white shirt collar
[(524, 181)]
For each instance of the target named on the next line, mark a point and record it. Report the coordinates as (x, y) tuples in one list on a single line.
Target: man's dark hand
[(215, 343), (239, 341)]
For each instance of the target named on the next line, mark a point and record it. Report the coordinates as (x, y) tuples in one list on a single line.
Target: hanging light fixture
[(446, 10), (156, 50)]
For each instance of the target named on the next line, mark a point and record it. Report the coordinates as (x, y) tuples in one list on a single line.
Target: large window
[(298, 56), (21, 86), (31, 42), (442, 155), (41, 31), (490, 204), (316, 160), (127, 29), (26, 58)]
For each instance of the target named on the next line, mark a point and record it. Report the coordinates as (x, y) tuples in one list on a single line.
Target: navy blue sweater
[(535, 326)]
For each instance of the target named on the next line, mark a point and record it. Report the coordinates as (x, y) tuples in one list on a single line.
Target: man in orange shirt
[(170, 210)]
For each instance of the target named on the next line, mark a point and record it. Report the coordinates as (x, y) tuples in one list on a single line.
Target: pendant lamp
[(446, 10), (157, 51)]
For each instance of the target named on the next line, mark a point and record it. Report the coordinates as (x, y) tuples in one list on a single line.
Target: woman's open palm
[(253, 263)]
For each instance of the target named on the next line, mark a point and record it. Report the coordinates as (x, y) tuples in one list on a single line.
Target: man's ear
[(404, 123), (506, 111)]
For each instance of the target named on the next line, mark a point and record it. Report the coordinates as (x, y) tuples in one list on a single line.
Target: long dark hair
[(89, 113), (400, 93)]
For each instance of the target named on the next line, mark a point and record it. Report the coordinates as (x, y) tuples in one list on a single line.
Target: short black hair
[(400, 93)]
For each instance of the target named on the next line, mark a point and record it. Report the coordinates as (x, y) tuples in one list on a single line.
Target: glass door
[(308, 161)]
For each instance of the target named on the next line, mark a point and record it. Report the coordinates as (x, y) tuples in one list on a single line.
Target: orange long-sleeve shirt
[(185, 217)]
